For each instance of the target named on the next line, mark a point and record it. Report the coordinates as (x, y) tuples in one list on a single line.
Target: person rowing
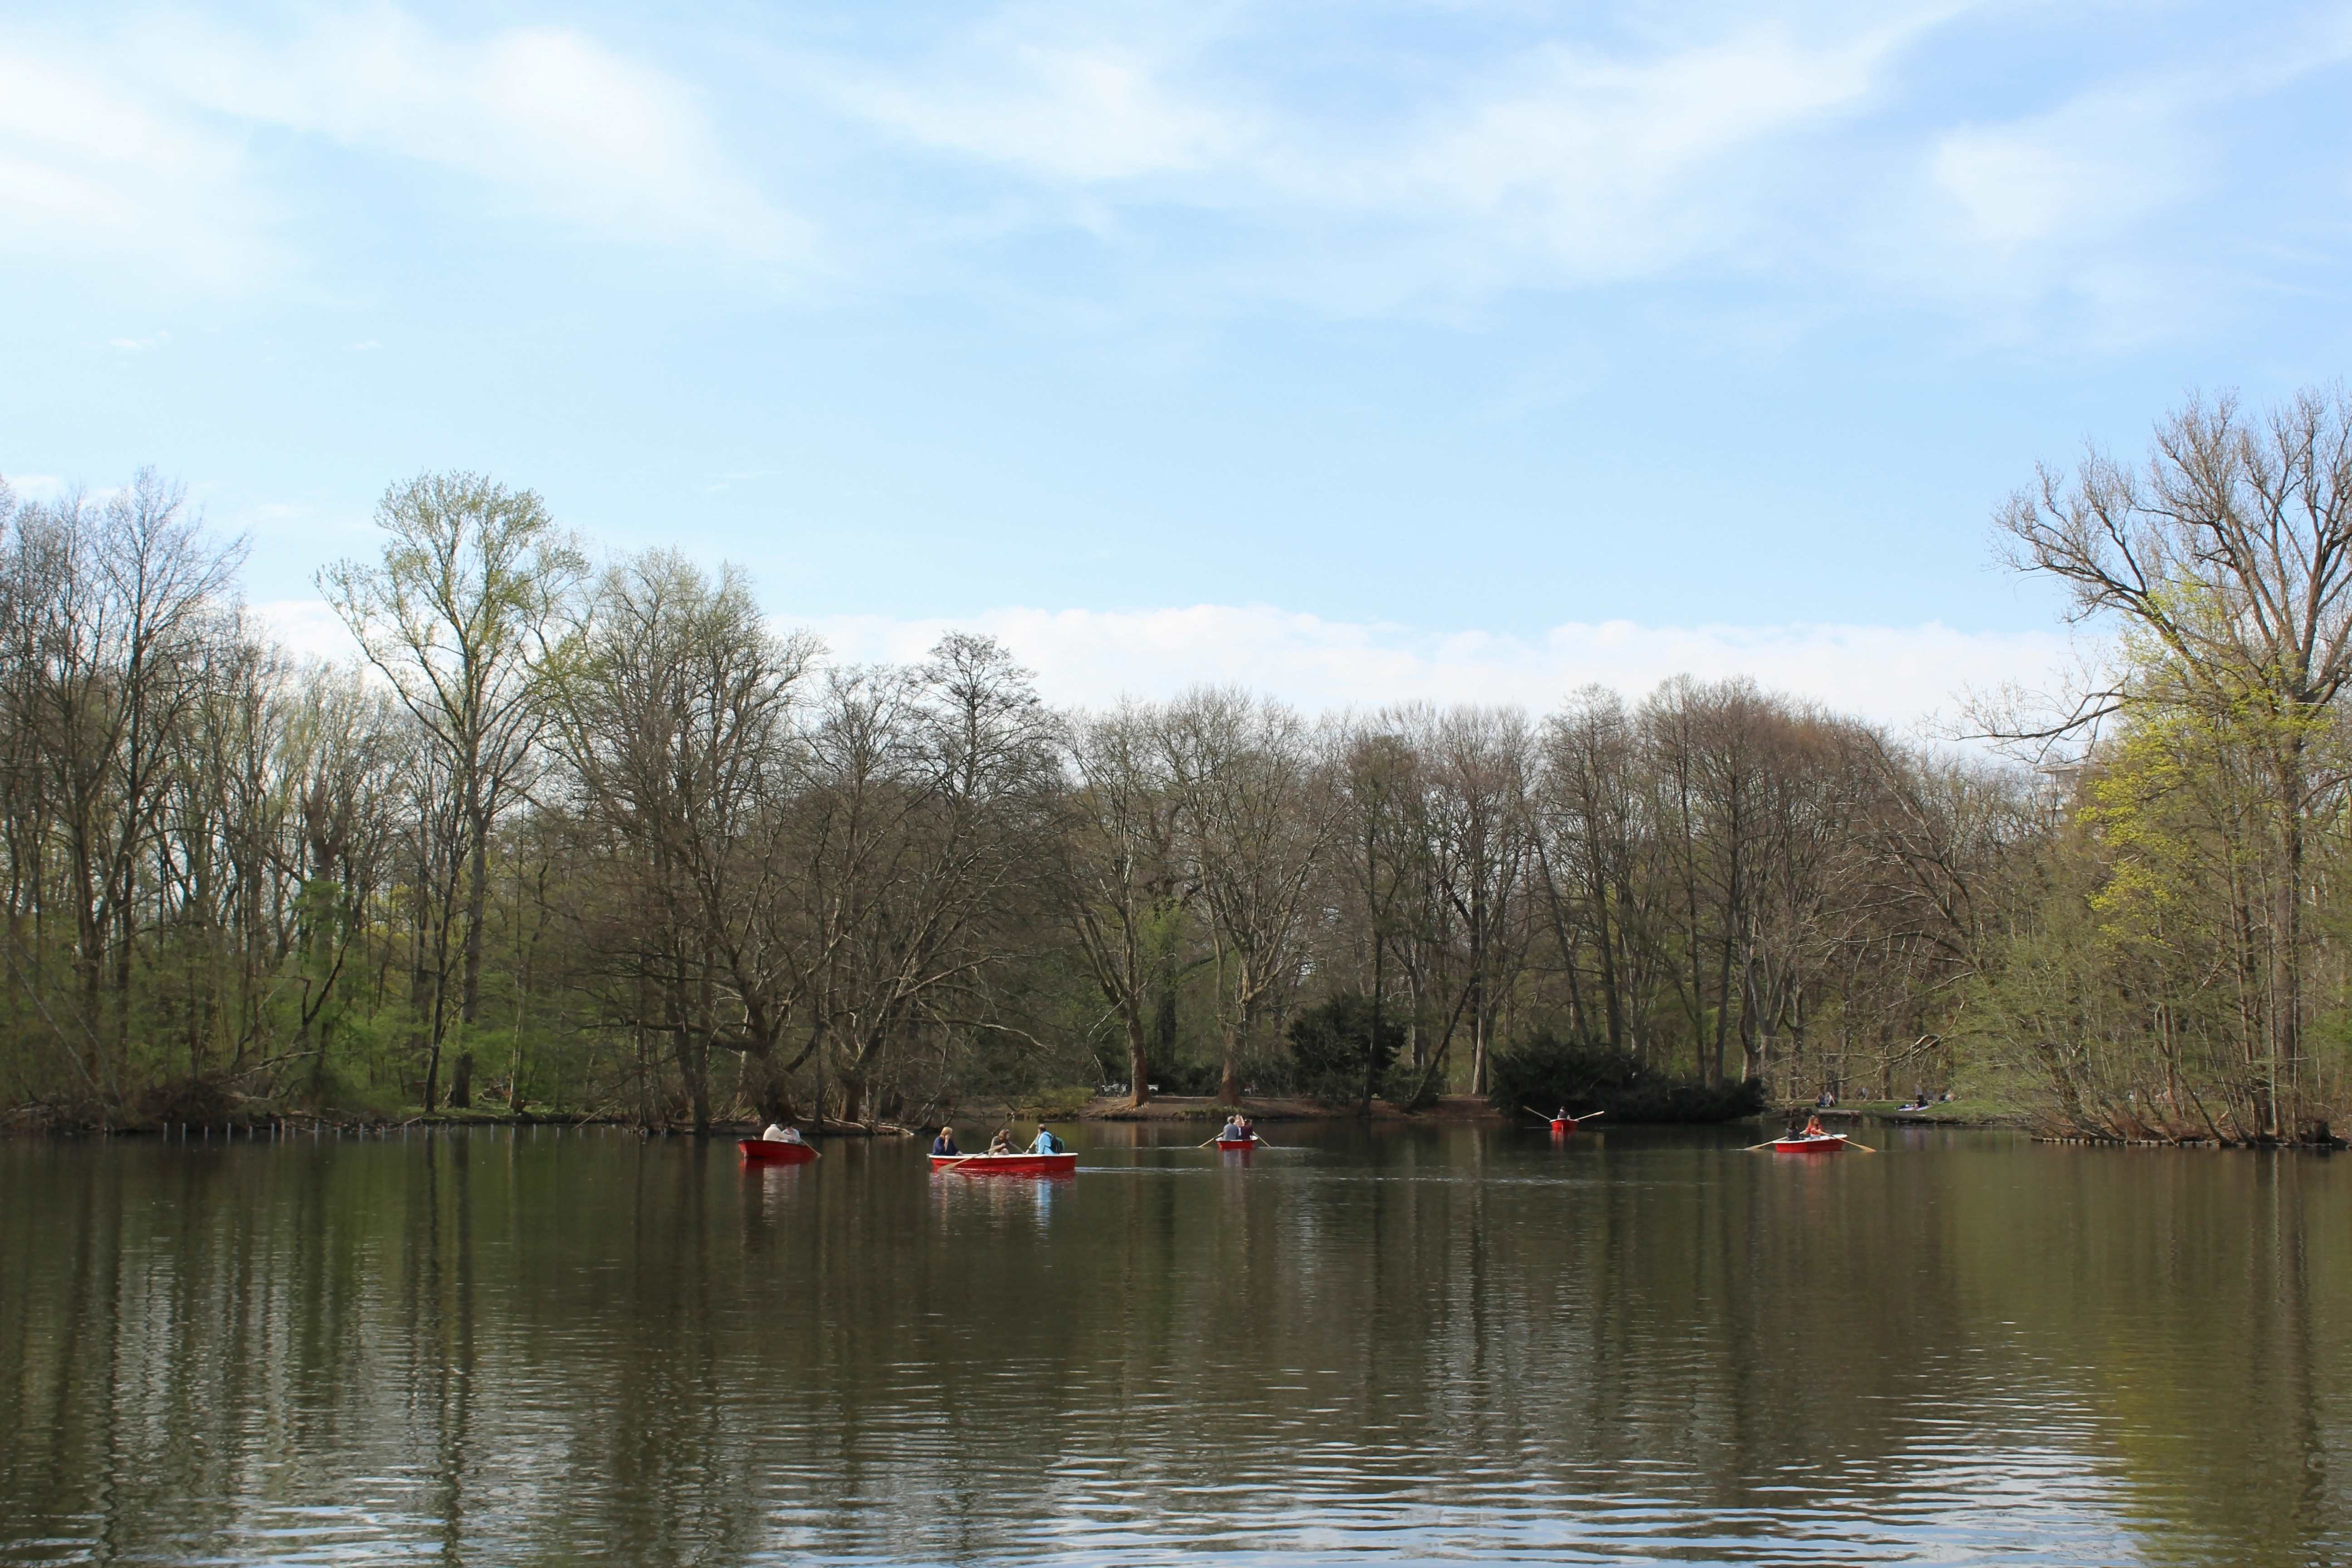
[(776, 1134), (1003, 1143), (1813, 1128), (945, 1143), (1233, 1132)]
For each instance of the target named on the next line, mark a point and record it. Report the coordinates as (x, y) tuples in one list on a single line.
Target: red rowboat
[(1008, 1164), (1236, 1142), (1827, 1144), (774, 1151), (1561, 1126)]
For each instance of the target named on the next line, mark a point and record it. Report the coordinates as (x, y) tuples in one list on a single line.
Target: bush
[(1544, 1071), (1332, 1047)]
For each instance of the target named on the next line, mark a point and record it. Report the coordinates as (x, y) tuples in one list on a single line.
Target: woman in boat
[(1003, 1143), (1813, 1128), (777, 1135), (1046, 1143), (945, 1142), (1231, 1132)]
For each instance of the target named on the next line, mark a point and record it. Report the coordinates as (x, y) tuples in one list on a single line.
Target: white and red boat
[(1819, 1143)]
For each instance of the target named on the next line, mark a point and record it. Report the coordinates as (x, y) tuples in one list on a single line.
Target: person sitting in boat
[(1046, 1143), (1231, 1132), (1562, 1115), (778, 1135), (1003, 1143), (945, 1142), (1813, 1128)]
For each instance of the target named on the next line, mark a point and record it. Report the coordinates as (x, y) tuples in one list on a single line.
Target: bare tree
[(457, 613), (1117, 880), (1255, 811)]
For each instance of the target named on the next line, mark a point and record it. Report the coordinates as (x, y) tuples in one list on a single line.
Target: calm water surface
[(1439, 1345)]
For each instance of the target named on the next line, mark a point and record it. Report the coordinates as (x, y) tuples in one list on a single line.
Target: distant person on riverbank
[(945, 1142), (1046, 1143)]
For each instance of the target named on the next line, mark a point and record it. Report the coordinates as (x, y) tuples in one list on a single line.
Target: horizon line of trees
[(604, 842)]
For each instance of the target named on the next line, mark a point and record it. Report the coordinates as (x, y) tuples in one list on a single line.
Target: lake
[(1438, 1344)]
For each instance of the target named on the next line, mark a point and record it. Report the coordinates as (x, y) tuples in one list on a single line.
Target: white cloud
[(1899, 675), (1603, 167), (92, 166), (1558, 163), (1061, 110), (584, 133), (308, 627), (35, 487), (143, 147)]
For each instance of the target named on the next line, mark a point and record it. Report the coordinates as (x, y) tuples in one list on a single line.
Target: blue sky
[(1449, 349)]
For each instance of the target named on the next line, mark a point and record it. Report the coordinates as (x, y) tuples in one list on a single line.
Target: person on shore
[(1231, 1132), (1003, 1143), (945, 1142), (1046, 1143)]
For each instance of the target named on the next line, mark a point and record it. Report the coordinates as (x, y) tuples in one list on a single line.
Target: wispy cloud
[(1790, 151), (91, 166), (581, 132), (143, 144)]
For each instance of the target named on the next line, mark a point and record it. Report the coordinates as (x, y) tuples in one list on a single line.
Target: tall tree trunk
[(469, 1000)]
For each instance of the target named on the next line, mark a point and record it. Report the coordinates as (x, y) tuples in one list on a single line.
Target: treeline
[(607, 843)]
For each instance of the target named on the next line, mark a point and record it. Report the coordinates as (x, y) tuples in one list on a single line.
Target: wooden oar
[(1588, 1116), (1863, 1147)]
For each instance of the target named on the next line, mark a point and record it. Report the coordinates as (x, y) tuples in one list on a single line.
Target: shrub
[(1333, 1046), (1543, 1071)]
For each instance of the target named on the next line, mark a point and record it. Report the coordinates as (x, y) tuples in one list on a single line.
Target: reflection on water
[(1436, 1343)]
